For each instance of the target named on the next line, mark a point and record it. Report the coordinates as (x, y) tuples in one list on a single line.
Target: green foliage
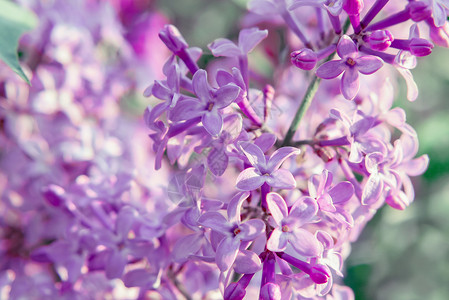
[(14, 21)]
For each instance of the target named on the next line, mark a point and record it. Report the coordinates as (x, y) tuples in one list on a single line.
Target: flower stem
[(306, 101)]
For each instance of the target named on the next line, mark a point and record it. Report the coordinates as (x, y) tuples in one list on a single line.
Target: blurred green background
[(401, 255)]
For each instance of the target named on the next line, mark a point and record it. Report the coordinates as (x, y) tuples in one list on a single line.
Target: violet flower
[(234, 230), (263, 171), (209, 104), (287, 225), (350, 64), (330, 200)]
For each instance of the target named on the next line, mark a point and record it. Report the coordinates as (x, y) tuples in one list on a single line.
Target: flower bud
[(420, 47), (270, 291), (419, 11), (353, 7), (319, 274), (304, 59), (172, 38), (54, 194), (380, 40)]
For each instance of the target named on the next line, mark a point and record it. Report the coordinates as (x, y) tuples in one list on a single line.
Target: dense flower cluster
[(270, 178)]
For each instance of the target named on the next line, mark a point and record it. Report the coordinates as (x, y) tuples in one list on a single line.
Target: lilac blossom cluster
[(288, 202), (271, 174)]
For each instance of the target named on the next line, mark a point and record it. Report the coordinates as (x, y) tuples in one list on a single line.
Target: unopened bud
[(420, 47), (380, 40), (353, 7), (419, 11), (172, 38), (319, 274), (54, 194), (304, 59)]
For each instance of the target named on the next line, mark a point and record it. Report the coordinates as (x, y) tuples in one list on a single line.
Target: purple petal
[(247, 262), (346, 47), (224, 47), (372, 190), (125, 220), (278, 240), (360, 127), (226, 95), (224, 78), (234, 291), (232, 124), (174, 78), (186, 109), (265, 141), (187, 245), (263, 7), (325, 203), (115, 265), (249, 180), (372, 161), (201, 86), (277, 207), (350, 83), (325, 239), (254, 154), (369, 64), (217, 161), (305, 243), (336, 7), (226, 253), (342, 192), (396, 117), (279, 156), (304, 210), (281, 179), (250, 37), (417, 166), (330, 69), (160, 91), (215, 221), (234, 207), (138, 278), (251, 229), (212, 122), (412, 87), (439, 14)]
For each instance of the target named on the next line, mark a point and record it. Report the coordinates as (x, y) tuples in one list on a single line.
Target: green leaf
[(14, 21)]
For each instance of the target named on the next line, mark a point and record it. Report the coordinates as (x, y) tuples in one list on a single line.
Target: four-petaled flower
[(287, 225), (209, 104), (234, 230), (263, 171), (351, 64)]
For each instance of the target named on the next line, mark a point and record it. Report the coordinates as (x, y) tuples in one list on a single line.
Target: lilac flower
[(263, 171), (361, 140), (287, 225), (330, 199), (209, 104), (350, 64), (234, 230)]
